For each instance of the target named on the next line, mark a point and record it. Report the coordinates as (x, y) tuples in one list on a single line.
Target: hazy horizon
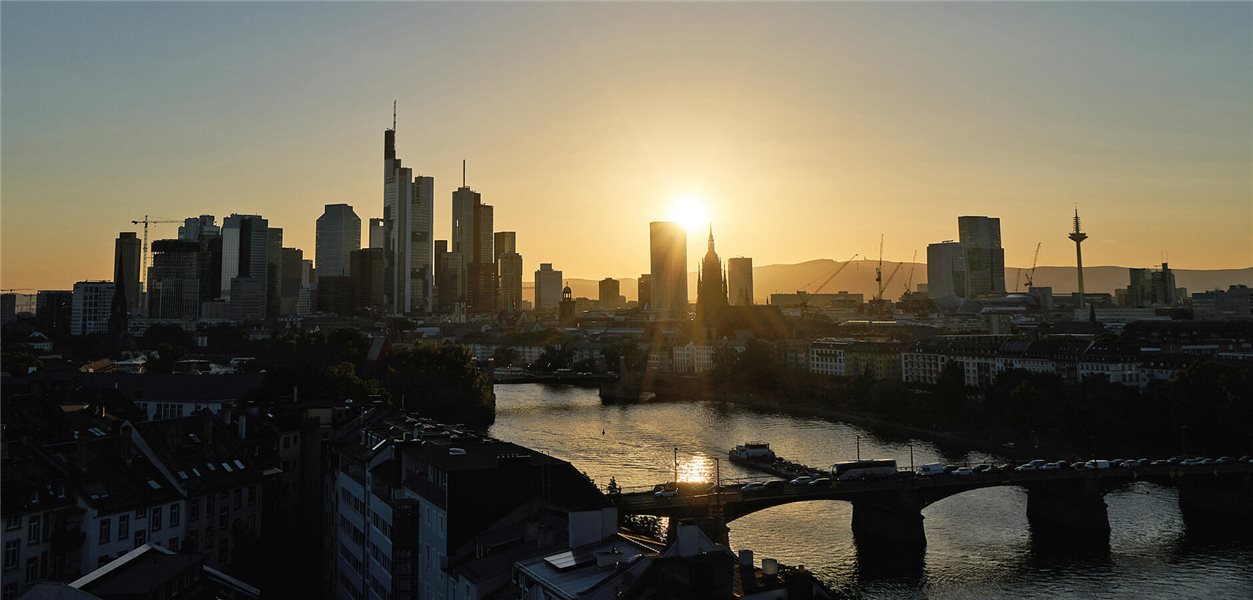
[(805, 130)]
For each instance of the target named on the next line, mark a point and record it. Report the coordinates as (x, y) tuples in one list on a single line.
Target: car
[(820, 482), (962, 471), (982, 468), (1158, 463), (802, 480), (1004, 467), (1174, 460), (1096, 464), (1050, 466), (753, 487), (1224, 460), (1130, 464), (1078, 464), (1037, 463), (931, 469), (1244, 459), (1025, 467), (666, 493), (774, 484), (1117, 462), (951, 468), (1210, 461)]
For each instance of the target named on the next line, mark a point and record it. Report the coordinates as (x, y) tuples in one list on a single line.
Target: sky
[(805, 130)]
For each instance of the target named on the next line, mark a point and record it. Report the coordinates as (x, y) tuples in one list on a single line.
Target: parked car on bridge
[(1223, 460), (802, 480), (962, 471), (774, 484), (820, 482), (1052, 466), (1097, 464), (666, 493), (931, 469), (981, 468), (1037, 463), (1026, 467), (1157, 463), (753, 487), (1077, 464)]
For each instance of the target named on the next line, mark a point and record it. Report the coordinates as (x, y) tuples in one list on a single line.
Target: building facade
[(548, 286), (338, 236), (89, 312), (740, 281), (668, 260)]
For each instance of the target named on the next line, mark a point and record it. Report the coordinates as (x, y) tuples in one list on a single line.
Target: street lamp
[(858, 447)]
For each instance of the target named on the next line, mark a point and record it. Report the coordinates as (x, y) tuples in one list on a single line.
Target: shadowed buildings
[(547, 289), (126, 252), (740, 281), (472, 226), (338, 236), (509, 269), (408, 216)]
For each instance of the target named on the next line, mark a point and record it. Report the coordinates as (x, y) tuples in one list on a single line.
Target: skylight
[(152, 483)]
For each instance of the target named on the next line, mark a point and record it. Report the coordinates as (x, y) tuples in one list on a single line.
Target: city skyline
[(1153, 140)]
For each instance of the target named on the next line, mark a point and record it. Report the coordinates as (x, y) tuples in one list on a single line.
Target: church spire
[(711, 237)]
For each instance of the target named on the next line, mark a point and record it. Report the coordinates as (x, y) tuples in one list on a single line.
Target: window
[(222, 515), (13, 522), (252, 495), (123, 526), (193, 509), (140, 513), (106, 528), (12, 548), (239, 498), (172, 544), (140, 537), (32, 569), (174, 516), (155, 523), (32, 530)]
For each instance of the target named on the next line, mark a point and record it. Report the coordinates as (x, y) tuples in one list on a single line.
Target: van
[(1097, 464), (931, 469)]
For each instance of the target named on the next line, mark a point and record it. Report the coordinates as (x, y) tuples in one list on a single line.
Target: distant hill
[(858, 278)]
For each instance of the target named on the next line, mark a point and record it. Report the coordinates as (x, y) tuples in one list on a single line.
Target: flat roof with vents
[(570, 559)]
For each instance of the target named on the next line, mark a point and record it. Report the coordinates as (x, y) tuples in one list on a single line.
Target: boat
[(753, 451)]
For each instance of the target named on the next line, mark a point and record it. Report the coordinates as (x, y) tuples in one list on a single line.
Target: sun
[(690, 212)]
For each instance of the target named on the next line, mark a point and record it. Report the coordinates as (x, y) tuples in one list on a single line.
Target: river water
[(978, 543)]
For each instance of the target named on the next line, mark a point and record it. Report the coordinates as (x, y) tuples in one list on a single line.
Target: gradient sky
[(807, 129)]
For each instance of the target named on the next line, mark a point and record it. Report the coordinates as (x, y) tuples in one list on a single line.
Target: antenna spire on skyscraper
[(463, 172), (393, 115)]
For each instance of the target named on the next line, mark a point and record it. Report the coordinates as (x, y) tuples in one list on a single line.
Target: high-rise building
[(246, 266), (644, 291), (547, 288), (274, 272), (1140, 288), (53, 310), (367, 278), (1163, 285), (472, 236), (711, 283), (506, 242), (1077, 236), (408, 218), (91, 307), (126, 252), (174, 280), (195, 229), (338, 236), (610, 296), (668, 245), (740, 281), (378, 238), (508, 272), (292, 280), (8, 307), (946, 270), (980, 238)]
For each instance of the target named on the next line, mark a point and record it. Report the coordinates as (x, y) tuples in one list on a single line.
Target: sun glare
[(690, 212)]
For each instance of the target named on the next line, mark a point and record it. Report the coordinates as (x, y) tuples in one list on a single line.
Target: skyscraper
[(408, 218), (509, 272), (547, 289), (174, 280), (245, 265), (610, 297), (338, 236), (740, 281), (274, 272), (472, 237), (946, 270), (377, 234), (644, 291), (980, 238), (52, 312), (90, 308), (126, 251), (292, 280), (668, 245), (367, 278), (195, 229)]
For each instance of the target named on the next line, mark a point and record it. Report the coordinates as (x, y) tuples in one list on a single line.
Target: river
[(978, 543)]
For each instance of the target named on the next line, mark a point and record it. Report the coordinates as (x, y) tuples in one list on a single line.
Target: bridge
[(1061, 503)]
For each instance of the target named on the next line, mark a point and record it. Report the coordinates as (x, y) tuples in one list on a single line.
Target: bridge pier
[(1068, 509), (1221, 505), (889, 519)]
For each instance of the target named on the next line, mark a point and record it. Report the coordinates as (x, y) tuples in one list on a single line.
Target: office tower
[(377, 234), (1077, 236), (472, 237), (91, 307), (245, 265), (292, 280), (366, 272), (174, 280), (510, 282), (1139, 288), (274, 272), (740, 281), (668, 245), (126, 251), (610, 297), (980, 238), (547, 288), (946, 270), (506, 242), (711, 284), (338, 236), (644, 291), (53, 309), (195, 229), (1163, 286), (408, 218)]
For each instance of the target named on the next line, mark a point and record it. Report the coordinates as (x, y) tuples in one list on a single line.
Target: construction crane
[(909, 281), (804, 304), (143, 252), (878, 272), (1034, 260), (887, 282)]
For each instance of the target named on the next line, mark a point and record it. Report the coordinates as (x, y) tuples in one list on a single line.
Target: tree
[(505, 356), (949, 393), (20, 363), (444, 384)]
